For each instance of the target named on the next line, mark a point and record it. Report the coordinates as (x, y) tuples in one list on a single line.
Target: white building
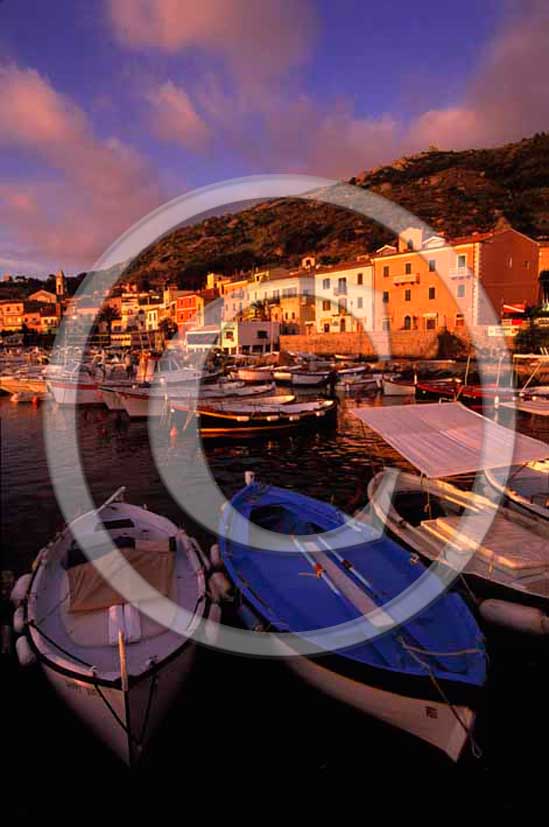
[(344, 297), (252, 337)]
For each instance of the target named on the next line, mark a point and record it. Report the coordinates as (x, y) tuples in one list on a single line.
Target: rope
[(475, 749), (58, 646)]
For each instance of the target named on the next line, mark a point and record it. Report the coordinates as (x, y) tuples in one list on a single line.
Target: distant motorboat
[(114, 666)]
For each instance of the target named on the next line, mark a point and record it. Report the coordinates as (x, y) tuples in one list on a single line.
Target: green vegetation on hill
[(455, 192)]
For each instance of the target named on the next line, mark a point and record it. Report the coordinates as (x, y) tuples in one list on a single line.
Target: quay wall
[(415, 344)]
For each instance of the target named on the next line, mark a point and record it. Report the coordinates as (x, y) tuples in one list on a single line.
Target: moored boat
[(259, 374), (233, 420), (502, 554), (141, 402), (525, 487), (114, 666), (398, 387), (422, 676), (309, 379)]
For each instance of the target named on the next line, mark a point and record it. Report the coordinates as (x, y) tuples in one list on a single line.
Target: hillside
[(454, 192)]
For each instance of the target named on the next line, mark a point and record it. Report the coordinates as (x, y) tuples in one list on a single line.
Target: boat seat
[(505, 545), (125, 619)]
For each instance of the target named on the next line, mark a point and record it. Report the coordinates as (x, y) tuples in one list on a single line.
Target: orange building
[(433, 283), (190, 309)]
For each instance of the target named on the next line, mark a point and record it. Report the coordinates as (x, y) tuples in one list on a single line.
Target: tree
[(108, 314)]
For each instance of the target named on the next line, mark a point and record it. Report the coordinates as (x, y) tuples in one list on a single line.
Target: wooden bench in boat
[(506, 545)]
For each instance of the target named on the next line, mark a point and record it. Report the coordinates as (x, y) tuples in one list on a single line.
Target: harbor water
[(241, 721)]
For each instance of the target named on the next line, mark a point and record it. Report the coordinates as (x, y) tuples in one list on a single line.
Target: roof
[(442, 440)]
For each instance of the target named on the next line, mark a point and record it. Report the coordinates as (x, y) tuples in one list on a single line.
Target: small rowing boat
[(113, 665), (236, 420), (422, 676)]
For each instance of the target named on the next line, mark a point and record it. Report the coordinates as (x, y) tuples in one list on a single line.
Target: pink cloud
[(258, 40), (174, 118), (99, 187)]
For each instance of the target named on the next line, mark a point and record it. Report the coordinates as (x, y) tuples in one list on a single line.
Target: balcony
[(340, 291), (460, 273), (407, 278)]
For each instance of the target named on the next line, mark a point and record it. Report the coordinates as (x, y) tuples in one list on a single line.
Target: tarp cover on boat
[(288, 593), (442, 440), (89, 590)]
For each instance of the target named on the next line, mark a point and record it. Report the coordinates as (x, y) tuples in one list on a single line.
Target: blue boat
[(333, 592)]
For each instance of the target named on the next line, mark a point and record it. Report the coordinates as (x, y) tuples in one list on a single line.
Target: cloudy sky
[(110, 107)]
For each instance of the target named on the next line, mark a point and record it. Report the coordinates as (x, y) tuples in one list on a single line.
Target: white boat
[(526, 487), (78, 388), (309, 379), (260, 374), (398, 387), (143, 402), (24, 381), (502, 553), (365, 382), (114, 666)]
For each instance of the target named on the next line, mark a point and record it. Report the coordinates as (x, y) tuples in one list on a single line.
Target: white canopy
[(442, 440)]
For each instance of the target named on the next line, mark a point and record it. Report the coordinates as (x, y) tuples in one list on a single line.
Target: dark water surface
[(245, 723)]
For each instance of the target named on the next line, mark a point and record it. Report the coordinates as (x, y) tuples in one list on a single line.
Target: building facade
[(344, 297)]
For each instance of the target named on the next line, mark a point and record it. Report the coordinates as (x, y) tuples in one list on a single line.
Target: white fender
[(19, 621), (219, 587), (215, 557), (25, 655), (19, 591), (514, 616), (211, 629)]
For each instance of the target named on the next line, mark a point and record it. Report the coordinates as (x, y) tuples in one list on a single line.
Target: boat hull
[(138, 712), (429, 720), (66, 392), (14, 385), (397, 388)]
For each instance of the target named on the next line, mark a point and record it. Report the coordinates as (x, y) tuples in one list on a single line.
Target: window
[(293, 315), (462, 262), (410, 244), (407, 295), (262, 334), (326, 284), (460, 321), (432, 293), (430, 324), (386, 324), (359, 303), (326, 304), (385, 297), (386, 270), (327, 327), (276, 294), (342, 305), (407, 322), (359, 278), (460, 291), (432, 265), (408, 268)]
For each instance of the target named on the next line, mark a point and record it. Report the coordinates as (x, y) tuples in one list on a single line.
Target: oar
[(347, 565)]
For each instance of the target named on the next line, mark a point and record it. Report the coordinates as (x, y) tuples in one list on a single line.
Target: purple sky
[(109, 107)]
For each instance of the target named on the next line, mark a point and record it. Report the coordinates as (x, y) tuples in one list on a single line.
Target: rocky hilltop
[(454, 192)]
